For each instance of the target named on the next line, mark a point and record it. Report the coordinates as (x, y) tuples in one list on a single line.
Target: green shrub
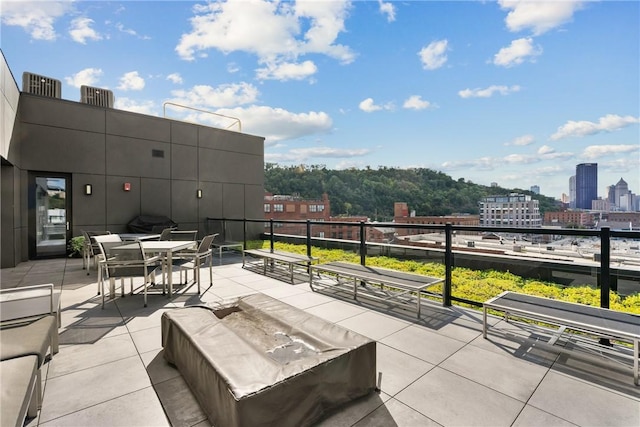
[(75, 246)]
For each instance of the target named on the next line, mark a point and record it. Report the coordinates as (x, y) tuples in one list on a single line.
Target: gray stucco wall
[(165, 161)]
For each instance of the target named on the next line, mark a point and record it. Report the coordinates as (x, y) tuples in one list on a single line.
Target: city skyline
[(516, 93)]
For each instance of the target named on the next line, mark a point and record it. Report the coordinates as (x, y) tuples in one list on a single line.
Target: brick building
[(570, 218), (294, 207), (403, 216)]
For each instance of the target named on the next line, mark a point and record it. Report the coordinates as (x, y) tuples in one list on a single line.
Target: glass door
[(49, 206)]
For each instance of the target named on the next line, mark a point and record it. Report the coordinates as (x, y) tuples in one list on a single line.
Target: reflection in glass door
[(50, 203)]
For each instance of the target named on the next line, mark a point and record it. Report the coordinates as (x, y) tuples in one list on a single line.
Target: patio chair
[(224, 241), (90, 249), (164, 235), (121, 260), (195, 259)]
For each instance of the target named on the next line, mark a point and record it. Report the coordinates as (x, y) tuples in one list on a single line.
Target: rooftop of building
[(436, 370)]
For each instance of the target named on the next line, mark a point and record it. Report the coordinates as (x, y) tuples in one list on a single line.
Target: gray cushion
[(22, 339), (18, 382)]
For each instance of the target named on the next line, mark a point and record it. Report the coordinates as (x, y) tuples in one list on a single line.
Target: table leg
[(170, 271)]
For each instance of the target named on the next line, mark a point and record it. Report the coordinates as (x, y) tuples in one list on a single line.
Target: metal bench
[(383, 284), (289, 260), (589, 328)]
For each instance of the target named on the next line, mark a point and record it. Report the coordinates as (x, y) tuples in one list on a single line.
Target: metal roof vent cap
[(96, 96), (41, 85)]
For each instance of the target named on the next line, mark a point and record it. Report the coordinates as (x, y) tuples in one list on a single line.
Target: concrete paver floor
[(438, 370)]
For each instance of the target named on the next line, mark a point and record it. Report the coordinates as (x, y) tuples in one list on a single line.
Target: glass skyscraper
[(586, 184)]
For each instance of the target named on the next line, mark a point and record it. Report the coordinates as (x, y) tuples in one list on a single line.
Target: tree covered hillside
[(372, 192)]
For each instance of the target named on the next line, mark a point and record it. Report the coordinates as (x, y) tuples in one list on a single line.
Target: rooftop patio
[(438, 370)]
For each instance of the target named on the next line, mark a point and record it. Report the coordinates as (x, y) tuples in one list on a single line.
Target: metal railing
[(235, 119), (606, 275)]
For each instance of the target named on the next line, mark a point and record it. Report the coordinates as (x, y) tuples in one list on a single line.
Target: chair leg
[(100, 280), (101, 284), (197, 272), (211, 270)]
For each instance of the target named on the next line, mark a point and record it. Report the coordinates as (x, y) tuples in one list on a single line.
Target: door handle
[(67, 225)]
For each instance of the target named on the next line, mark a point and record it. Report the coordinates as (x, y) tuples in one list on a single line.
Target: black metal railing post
[(605, 271), (309, 238), (363, 244), (309, 245), (448, 265), (244, 233), (271, 233)]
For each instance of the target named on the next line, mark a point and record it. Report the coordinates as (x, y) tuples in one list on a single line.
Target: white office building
[(513, 210)]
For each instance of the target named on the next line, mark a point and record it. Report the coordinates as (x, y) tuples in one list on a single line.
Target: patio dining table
[(166, 248)]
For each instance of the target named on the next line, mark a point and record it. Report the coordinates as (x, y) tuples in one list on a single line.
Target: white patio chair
[(195, 259), (121, 260)]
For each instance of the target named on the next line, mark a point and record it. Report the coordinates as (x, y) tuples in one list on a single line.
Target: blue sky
[(511, 92)]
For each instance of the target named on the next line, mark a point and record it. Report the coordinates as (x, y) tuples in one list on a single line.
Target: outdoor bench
[(589, 328), (29, 320), (391, 286), (274, 259)]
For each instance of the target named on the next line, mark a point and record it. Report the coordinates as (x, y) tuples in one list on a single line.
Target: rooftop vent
[(96, 96), (41, 85)]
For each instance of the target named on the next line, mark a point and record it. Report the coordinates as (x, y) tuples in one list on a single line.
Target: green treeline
[(372, 192)]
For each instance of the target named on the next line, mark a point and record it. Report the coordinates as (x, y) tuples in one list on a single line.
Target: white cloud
[(545, 149), (488, 92), (276, 32), (36, 17), (131, 81), (223, 96), (434, 55), (388, 9), (87, 77), (518, 51), (608, 123), (496, 163), (175, 78), (539, 16), (232, 67), (122, 29), (599, 151), (349, 164), (277, 124), (415, 102), (621, 165), (300, 155), (81, 31), (369, 106), (523, 140), (287, 71), (142, 107)]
